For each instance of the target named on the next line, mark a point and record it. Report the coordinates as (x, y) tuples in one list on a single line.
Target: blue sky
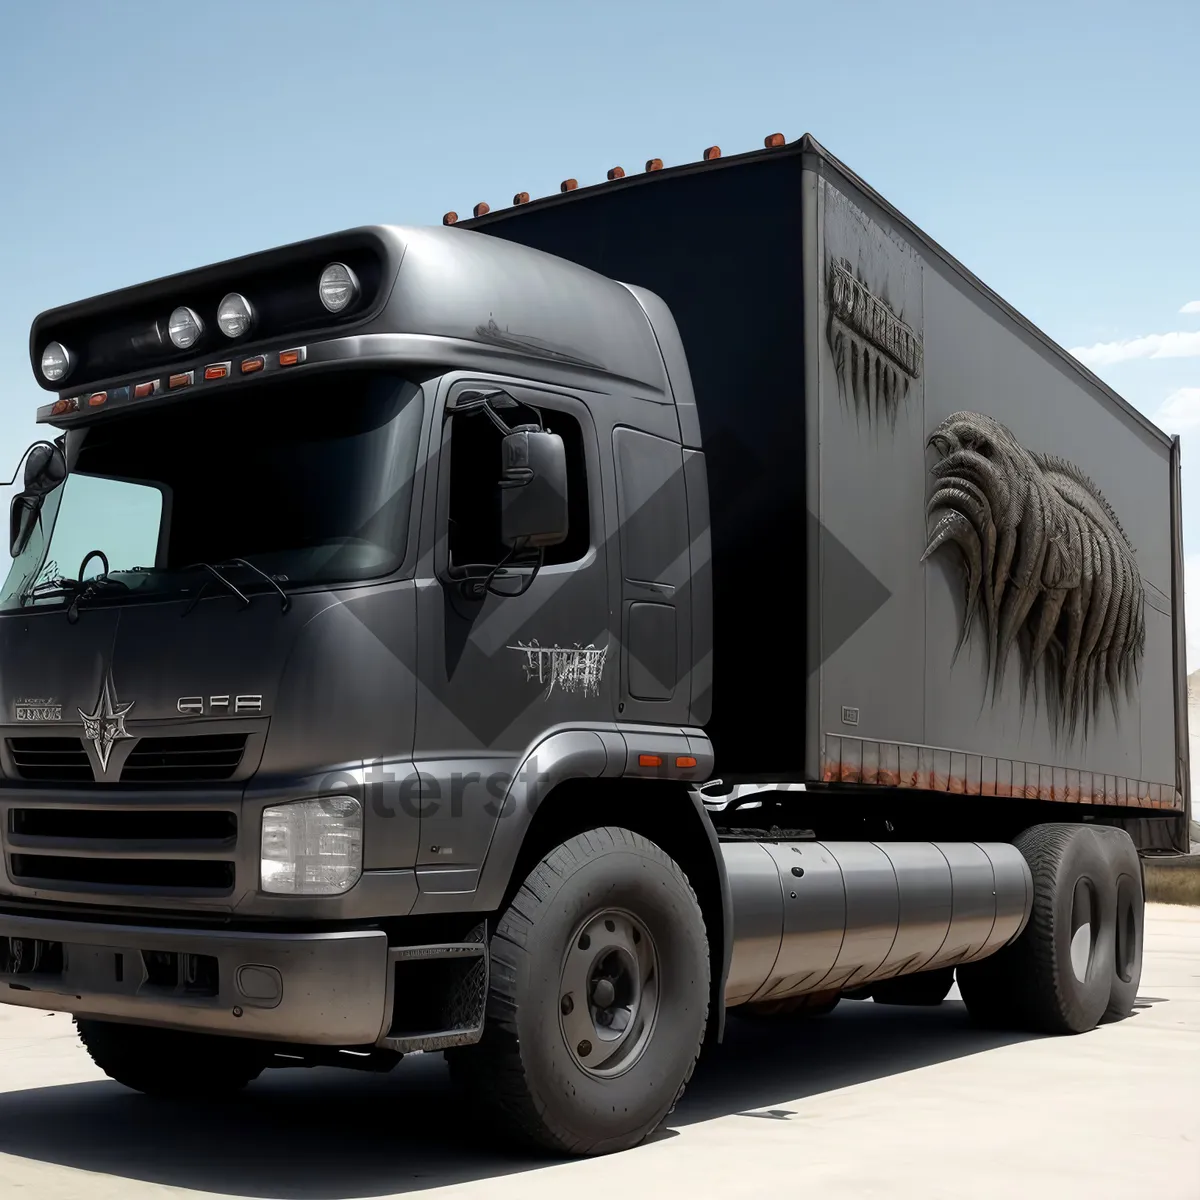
[(1052, 147)]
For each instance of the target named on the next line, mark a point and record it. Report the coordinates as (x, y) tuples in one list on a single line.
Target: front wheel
[(599, 998), (171, 1065)]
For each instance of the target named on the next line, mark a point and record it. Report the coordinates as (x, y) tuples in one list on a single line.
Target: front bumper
[(318, 989)]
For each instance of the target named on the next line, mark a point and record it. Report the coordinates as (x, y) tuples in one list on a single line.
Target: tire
[(925, 989), (1129, 922), (170, 1065), (543, 1070), (1058, 976)]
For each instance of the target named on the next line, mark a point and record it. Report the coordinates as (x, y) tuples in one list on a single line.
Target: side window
[(474, 533), (121, 519)]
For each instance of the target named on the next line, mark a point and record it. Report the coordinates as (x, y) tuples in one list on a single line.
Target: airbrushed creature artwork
[(1047, 565)]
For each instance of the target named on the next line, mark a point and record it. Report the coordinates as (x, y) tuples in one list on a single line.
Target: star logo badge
[(106, 726)]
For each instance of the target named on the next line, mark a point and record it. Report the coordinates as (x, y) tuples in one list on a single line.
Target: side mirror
[(533, 483), (22, 519), (45, 469)]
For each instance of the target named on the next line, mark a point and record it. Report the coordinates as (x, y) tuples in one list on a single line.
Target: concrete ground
[(870, 1101)]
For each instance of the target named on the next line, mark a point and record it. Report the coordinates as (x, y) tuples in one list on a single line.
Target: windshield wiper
[(77, 589), (287, 600), (220, 579)]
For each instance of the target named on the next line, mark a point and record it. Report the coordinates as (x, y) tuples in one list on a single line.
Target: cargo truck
[(535, 638)]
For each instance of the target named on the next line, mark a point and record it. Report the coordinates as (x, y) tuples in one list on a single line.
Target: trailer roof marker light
[(616, 173), (184, 328), (774, 140), (257, 363), (235, 315), (712, 153), (339, 287), (650, 760), (568, 185), (57, 362), (521, 198), (96, 399), (65, 406), (482, 209), (654, 164), (218, 370), (149, 388), (181, 379), (685, 762), (292, 358), (451, 218)]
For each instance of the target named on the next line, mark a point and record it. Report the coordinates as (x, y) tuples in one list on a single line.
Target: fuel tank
[(814, 916)]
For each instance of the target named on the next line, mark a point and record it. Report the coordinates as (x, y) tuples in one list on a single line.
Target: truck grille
[(50, 759), (162, 849), (207, 758)]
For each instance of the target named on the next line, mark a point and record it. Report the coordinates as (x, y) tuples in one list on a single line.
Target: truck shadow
[(333, 1135)]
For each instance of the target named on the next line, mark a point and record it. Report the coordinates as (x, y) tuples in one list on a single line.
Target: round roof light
[(185, 328), (56, 362), (339, 287), (235, 315)]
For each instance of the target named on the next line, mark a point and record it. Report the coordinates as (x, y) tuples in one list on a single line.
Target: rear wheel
[(168, 1064), (1067, 970), (1130, 924), (598, 1001)]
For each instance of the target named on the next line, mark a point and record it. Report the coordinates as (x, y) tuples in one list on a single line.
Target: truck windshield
[(309, 480)]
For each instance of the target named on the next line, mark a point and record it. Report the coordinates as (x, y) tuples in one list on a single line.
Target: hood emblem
[(106, 725)]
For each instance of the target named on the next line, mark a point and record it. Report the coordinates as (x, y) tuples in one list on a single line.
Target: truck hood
[(156, 670)]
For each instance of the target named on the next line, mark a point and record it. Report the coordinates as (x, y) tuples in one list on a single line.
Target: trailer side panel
[(1049, 515)]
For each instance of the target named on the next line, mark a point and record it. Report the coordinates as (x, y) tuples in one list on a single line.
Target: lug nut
[(584, 1048), (567, 1006)]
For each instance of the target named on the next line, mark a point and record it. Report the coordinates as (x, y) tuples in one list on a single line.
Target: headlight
[(184, 328), (339, 287), (56, 362), (312, 847), (235, 315)]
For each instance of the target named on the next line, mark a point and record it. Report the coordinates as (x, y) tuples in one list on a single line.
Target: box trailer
[(532, 641), (844, 364)]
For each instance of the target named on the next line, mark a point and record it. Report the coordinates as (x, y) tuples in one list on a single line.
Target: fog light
[(185, 328), (235, 315), (312, 847), (56, 362), (339, 287)]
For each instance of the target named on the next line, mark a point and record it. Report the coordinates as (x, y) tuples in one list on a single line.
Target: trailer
[(691, 595)]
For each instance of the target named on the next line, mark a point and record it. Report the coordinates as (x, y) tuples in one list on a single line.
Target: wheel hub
[(609, 993)]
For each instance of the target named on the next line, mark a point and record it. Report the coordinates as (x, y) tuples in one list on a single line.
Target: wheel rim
[(609, 993), (1083, 927)]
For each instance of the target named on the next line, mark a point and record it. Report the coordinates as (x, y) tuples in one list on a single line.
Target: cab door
[(497, 672)]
